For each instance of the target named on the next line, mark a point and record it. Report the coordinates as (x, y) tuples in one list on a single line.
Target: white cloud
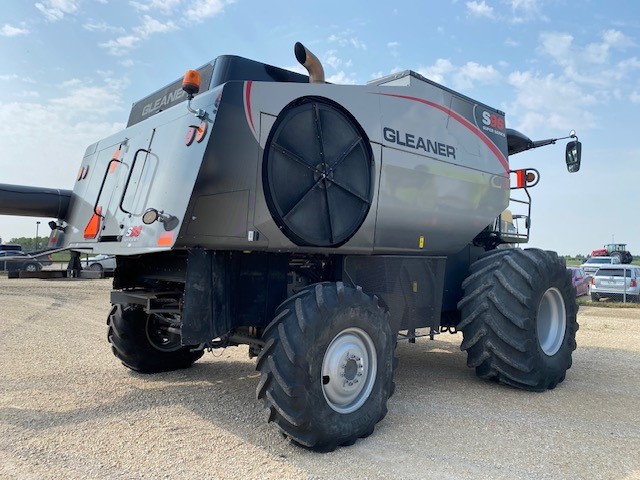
[(589, 64), (462, 77), (10, 31), (29, 94), (635, 97), (331, 58), (473, 73), (347, 39), (102, 27), (549, 103), (393, 48), (479, 9), (121, 45), (438, 71), (617, 39), (67, 124), (204, 9), (165, 6), (13, 76), (342, 78), (149, 26), (509, 42), (55, 10), (526, 10)]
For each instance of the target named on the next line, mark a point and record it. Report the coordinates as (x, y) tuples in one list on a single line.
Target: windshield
[(599, 260)]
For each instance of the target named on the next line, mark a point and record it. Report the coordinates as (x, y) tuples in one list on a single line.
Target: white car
[(100, 263), (617, 282), (594, 263)]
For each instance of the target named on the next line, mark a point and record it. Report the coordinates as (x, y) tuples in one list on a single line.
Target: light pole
[(37, 226)]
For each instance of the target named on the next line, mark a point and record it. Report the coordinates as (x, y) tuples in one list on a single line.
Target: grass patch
[(608, 304)]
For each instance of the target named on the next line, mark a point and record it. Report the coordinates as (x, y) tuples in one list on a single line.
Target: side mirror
[(573, 155)]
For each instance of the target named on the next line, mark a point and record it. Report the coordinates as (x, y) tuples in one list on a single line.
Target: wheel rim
[(30, 268), (163, 333), (551, 321), (349, 370)]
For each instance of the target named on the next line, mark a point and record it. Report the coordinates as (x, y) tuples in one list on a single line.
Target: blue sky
[(71, 69)]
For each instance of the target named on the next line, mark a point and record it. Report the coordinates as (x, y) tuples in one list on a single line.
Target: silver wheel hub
[(349, 370), (551, 321)]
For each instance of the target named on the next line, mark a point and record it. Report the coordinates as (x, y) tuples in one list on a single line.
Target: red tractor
[(618, 250)]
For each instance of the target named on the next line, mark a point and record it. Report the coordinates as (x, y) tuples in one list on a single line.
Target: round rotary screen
[(318, 174)]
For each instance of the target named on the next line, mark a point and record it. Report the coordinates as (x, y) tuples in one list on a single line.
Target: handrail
[(126, 185), (104, 179)]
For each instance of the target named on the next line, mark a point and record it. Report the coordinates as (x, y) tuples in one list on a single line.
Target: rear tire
[(96, 267), (617, 255), (519, 318), (327, 366), (136, 342)]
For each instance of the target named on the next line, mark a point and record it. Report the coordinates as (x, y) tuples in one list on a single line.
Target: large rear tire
[(618, 255), (519, 318), (327, 366), (143, 343)]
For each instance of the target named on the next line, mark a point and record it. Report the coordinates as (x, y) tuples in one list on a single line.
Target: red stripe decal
[(496, 151), (247, 101)]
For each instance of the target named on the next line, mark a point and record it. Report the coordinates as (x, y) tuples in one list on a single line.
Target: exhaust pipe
[(309, 61)]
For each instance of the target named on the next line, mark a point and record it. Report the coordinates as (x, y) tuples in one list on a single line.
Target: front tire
[(327, 366), (142, 342), (31, 267), (519, 318)]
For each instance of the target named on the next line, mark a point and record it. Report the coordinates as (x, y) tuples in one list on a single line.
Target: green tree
[(29, 244)]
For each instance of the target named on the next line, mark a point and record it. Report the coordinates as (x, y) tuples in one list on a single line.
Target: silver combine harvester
[(317, 224)]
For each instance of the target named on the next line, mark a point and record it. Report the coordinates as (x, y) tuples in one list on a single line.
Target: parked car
[(580, 280), (12, 260), (594, 263), (10, 246), (100, 263), (616, 281)]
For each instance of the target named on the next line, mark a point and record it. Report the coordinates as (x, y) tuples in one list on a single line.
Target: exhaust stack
[(309, 61)]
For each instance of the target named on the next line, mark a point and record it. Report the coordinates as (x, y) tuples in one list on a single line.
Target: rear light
[(634, 283), (593, 280), (92, 228)]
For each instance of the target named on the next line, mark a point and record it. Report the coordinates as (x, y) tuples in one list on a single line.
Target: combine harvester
[(316, 223)]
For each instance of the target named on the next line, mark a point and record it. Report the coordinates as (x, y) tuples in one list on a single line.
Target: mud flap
[(206, 304)]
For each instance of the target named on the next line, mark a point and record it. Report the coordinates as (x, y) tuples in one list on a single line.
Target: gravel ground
[(68, 409)]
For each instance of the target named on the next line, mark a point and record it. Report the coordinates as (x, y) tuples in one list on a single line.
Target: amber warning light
[(191, 82)]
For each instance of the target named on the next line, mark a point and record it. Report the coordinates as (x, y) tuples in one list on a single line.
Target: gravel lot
[(68, 409)]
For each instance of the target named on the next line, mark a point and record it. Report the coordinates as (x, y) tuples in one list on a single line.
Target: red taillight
[(593, 280), (634, 283)]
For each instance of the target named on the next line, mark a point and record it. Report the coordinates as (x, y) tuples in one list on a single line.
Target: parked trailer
[(316, 223)]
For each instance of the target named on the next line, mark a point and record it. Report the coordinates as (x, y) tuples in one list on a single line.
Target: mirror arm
[(552, 141)]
